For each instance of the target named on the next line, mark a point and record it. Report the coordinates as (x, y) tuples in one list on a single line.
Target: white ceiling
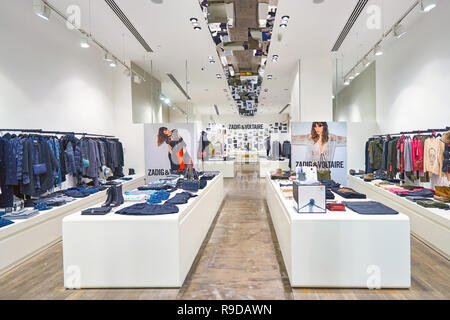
[(312, 31)]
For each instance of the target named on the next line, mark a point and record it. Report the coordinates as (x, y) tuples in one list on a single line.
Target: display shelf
[(267, 166), (431, 225), (24, 238), (340, 249), (121, 251), (226, 167)]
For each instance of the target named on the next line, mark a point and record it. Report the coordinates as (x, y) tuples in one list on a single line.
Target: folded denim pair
[(142, 209), (42, 206), (433, 204), (158, 197), (349, 193), (369, 207), (5, 222), (191, 185), (96, 211), (21, 214), (181, 198)]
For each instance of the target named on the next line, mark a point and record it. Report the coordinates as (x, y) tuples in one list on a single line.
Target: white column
[(314, 100)]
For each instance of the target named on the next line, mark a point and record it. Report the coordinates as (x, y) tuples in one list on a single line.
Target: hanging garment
[(434, 156), (8, 173)]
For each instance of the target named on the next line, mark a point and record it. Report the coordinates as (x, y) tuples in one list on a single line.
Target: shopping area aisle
[(239, 259)]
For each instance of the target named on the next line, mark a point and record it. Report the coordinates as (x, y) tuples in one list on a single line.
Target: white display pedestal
[(25, 238), (340, 249), (120, 251), (431, 225), (226, 167), (267, 166)]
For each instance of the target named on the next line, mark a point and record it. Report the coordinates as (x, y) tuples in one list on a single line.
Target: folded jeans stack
[(21, 214), (369, 207), (349, 193), (433, 204), (96, 211), (181, 198), (142, 209)]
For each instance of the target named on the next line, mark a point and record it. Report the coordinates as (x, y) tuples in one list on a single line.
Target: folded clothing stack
[(181, 198), (158, 197), (442, 194), (80, 192), (335, 206), (5, 222), (21, 214), (190, 185), (369, 177), (369, 207), (398, 190), (433, 204), (415, 199), (142, 209), (96, 211), (427, 193), (349, 193), (330, 184), (137, 195), (42, 206)]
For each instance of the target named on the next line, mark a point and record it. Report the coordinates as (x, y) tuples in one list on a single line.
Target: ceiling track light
[(84, 41), (127, 72), (346, 82), (41, 9), (427, 5), (108, 57), (113, 63), (378, 50), (366, 62), (399, 30), (137, 79)]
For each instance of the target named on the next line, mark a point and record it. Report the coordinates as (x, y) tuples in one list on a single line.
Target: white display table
[(120, 251), (267, 166), (226, 167), (431, 225), (340, 249), (25, 238)]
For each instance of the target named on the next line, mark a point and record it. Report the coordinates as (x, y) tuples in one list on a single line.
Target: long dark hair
[(314, 134), (162, 137)]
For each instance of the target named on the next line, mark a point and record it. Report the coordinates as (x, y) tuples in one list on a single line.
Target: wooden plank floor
[(240, 259)]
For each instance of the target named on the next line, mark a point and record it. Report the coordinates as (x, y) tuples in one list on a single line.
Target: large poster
[(323, 145), (169, 147)]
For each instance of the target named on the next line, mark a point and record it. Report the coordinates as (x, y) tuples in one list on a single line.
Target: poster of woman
[(323, 145), (169, 147)]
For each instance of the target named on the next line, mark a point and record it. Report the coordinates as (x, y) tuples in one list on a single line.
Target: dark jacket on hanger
[(8, 173)]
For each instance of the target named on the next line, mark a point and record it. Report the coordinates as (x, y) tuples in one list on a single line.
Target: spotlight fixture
[(167, 101), (283, 25), (113, 63), (275, 58), (137, 79), (108, 57), (84, 41), (378, 50), (219, 76), (285, 18), (351, 76), (399, 30), (41, 9), (197, 28), (427, 5), (211, 59), (127, 72), (346, 82), (366, 62), (193, 20), (269, 77)]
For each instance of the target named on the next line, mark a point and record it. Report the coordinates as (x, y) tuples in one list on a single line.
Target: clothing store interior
[(224, 150)]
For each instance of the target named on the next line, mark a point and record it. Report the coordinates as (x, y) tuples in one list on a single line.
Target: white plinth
[(267, 166), (431, 225), (341, 249), (25, 238), (120, 251), (226, 167)]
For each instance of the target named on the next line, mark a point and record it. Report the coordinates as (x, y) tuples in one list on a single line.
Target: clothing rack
[(413, 132), (40, 131)]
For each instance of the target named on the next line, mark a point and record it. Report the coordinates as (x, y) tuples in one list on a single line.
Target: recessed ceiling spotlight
[(318, 1), (283, 25), (275, 58), (378, 50), (427, 5), (84, 41), (399, 30), (219, 76), (197, 28), (285, 18), (269, 77), (167, 101), (41, 9), (193, 20)]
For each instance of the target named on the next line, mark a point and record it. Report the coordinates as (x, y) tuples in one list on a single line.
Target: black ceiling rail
[(40, 131), (413, 132)]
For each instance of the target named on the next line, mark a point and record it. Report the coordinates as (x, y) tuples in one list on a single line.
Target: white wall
[(413, 76), (46, 80), (357, 102)]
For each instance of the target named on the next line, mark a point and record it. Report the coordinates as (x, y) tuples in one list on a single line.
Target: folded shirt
[(333, 206), (96, 211), (415, 199), (442, 191), (181, 198), (21, 214), (190, 185), (5, 222), (349, 193), (398, 190), (369, 207), (158, 197), (420, 193), (433, 204), (141, 209), (442, 199)]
